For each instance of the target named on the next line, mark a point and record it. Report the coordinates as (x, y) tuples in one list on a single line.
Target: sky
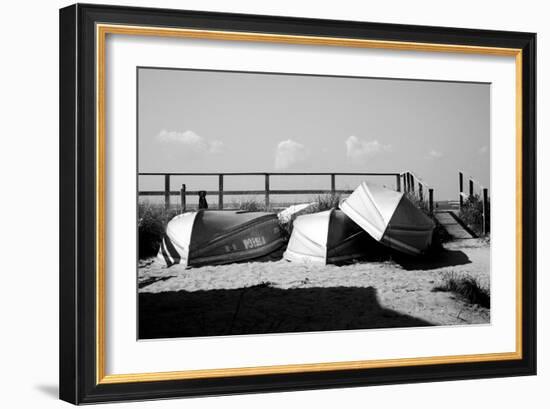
[(216, 121)]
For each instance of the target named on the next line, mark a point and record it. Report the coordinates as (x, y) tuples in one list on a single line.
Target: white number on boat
[(253, 242)]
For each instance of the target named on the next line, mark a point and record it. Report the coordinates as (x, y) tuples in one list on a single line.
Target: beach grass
[(152, 221), (252, 205), (471, 213), (465, 286)]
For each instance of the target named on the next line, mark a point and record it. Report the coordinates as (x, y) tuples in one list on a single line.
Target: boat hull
[(391, 218), (225, 237), (329, 237)]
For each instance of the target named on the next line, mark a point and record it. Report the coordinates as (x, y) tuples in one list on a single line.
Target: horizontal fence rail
[(269, 173), (266, 192), (245, 192)]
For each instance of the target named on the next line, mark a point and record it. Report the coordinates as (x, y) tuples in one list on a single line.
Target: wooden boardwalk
[(450, 222)]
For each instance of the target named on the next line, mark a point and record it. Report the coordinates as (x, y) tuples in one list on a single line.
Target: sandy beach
[(280, 296)]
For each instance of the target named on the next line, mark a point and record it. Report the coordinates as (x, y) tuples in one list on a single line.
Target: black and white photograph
[(275, 204), (282, 203)]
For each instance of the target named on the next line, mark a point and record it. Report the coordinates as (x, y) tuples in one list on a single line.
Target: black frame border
[(78, 210)]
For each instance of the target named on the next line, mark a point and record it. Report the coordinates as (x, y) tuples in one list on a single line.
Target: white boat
[(293, 211), (390, 218), (328, 237)]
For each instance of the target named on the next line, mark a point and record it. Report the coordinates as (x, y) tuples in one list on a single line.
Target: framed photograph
[(258, 203)]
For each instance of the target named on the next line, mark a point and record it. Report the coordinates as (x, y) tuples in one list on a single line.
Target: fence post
[(421, 192), (333, 184), (460, 188), (431, 199), (412, 183), (398, 182), (220, 191), (183, 199), (486, 219), (166, 192), (267, 191), (203, 204), (471, 193)]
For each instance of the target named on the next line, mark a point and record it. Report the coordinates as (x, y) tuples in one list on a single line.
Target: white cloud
[(193, 142), (359, 149), (215, 146), (483, 150), (289, 153), (435, 154)]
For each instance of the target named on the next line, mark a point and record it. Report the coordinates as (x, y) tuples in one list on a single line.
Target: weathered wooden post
[(398, 182), (421, 192), (333, 184), (220, 191), (460, 188), (166, 192), (486, 217), (431, 200), (203, 204), (183, 198), (471, 189), (266, 191)]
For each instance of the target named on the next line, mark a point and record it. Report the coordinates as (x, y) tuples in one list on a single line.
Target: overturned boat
[(328, 237), (390, 217), (291, 212), (209, 237)]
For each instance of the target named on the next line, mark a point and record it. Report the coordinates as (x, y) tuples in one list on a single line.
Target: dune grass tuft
[(152, 220), (467, 287), (252, 205), (471, 213), (326, 202)]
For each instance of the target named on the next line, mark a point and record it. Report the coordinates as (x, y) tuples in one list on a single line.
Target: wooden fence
[(483, 196), (183, 193), (415, 186)]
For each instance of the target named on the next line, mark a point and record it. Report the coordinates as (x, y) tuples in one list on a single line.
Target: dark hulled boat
[(220, 237)]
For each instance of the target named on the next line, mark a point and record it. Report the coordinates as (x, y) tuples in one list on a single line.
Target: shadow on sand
[(440, 259), (263, 309)]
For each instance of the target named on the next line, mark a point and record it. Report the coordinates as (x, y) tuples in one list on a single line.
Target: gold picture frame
[(99, 19)]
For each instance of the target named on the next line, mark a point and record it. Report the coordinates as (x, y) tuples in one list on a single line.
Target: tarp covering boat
[(390, 217), (209, 237), (328, 237)]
